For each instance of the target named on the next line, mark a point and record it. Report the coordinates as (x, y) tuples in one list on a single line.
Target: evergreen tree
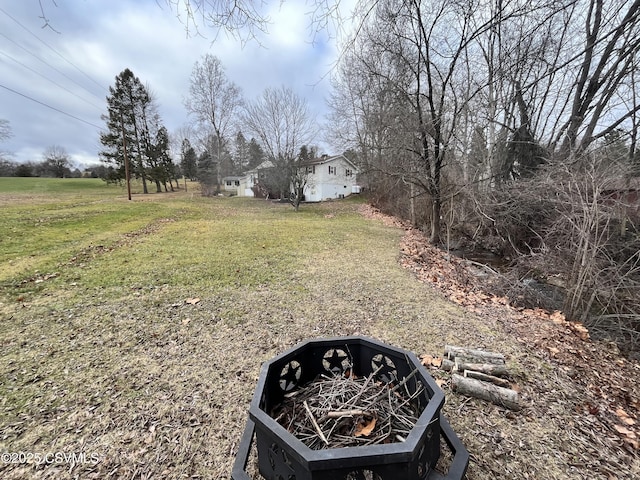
[(189, 160), (256, 153), (132, 113), (241, 154), (164, 166), (207, 173)]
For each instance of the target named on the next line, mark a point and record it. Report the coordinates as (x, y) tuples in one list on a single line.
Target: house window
[(332, 170), (228, 183), (311, 169), (348, 172), (237, 183)]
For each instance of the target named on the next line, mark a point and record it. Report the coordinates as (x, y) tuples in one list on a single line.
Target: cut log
[(447, 365), (486, 391), (477, 359), (476, 356), (488, 368), (501, 382)]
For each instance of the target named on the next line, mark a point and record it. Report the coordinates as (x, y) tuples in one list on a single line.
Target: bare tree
[(419, 51), (5, 134), (56, 161), (242, 18), (609, 54), (5, 130), (281, 120), (213, 101)]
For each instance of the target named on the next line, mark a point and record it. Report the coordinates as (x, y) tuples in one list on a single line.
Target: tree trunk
[(145, 189), (500, 382), (436, 207), (486, 368)]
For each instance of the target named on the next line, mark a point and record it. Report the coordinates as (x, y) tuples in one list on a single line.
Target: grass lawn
[(133, 331)]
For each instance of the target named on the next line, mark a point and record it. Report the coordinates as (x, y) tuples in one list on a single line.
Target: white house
[(330, 177), (327, 178), (232, 183), (243, 185)]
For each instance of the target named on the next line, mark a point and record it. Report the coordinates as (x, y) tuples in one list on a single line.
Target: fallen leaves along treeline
[(608, 379)]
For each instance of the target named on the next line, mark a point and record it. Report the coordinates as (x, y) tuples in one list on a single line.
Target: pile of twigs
[(346, 411)]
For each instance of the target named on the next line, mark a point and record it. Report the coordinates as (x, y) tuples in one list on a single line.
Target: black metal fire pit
[(282, 456)]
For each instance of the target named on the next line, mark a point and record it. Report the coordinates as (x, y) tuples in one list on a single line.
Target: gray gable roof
[(327, 159)]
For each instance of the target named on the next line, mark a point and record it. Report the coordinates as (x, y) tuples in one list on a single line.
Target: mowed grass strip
[(180, 239), (47, 222)]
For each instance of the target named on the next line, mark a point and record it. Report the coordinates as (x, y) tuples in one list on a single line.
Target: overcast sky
[(71, 68)]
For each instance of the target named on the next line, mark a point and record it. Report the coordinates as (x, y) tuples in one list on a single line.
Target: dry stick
[(347, 413), (396, 416), (405, 380), (315, 424), (355, 398), (402, 383)]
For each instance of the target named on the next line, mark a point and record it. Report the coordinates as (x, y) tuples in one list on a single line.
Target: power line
[(52, 49), (46, 63), (49, 106), (52, 81)]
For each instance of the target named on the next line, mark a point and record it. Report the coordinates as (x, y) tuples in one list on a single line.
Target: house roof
[(326, 159), (262, 166)]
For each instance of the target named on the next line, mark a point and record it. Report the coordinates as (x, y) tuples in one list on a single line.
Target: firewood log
[(501, 382), (473, 356), (486, 391), (488, 368)]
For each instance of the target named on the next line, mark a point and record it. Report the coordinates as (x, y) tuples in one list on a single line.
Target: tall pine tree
[(133, 114)]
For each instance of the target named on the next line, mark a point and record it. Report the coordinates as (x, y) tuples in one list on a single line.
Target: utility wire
[(49, 106), (46, 63), (49, 80), (52, 49)]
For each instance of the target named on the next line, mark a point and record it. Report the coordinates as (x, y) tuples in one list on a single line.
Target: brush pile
[(346, 410)]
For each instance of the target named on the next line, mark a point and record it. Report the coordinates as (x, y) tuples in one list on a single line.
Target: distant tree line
[(279, 122), (206, 150), (55, 163)]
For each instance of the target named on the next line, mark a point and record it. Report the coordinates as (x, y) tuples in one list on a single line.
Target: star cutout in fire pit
[(336, 360), (290, 375), (385, 367)]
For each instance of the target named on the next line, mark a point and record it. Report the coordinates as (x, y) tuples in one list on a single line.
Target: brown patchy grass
[(108, 358)]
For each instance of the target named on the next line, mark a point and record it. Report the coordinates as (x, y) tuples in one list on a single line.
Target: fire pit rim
[(457, 469)]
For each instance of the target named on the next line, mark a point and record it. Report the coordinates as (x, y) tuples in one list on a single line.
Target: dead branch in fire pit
[(346, 411)]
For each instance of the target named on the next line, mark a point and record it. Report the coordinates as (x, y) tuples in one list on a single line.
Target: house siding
[(330, 179)]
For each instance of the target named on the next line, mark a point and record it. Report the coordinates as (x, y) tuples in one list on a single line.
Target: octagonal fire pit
[(284, 455)]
